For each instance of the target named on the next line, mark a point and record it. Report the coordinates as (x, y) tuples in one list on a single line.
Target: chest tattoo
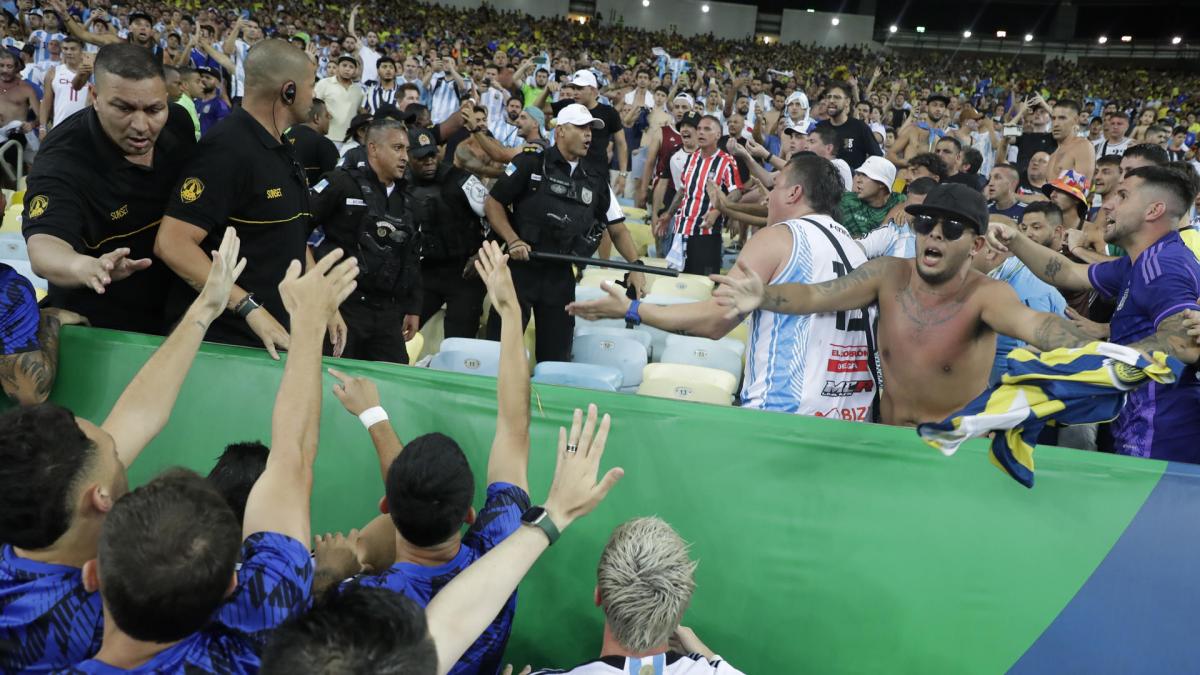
[(926, 317)]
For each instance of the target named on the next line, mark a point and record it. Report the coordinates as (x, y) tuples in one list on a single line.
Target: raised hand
[(357, 394), (225, 270), (741, 295), (98, 273), (613, 306), (492, 266), (575, 492), (320, 291), (999, 236)]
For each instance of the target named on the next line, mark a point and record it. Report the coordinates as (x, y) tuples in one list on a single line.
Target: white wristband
[(372, 416)]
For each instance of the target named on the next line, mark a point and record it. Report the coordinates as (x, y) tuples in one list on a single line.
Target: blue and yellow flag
[(1061, 387)]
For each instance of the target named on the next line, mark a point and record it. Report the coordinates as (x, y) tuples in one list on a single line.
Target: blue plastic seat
[(581, 375), (623, 353), (714, 355), (466, 361), (634, 334)]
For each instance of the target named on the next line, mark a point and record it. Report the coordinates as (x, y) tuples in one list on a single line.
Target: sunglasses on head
[(951, 229)]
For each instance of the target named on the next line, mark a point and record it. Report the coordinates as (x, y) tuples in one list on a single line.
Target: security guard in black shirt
[(316, 153), (558, 206), (244, 175), (448, 205), (365, 212), (97, 192)]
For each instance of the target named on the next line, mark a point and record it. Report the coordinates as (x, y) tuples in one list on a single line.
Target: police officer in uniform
[(448, 205), (365, 211), (558, 205)]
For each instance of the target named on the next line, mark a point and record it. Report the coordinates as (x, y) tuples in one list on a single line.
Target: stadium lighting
[(835, 21), (893, 29), (1176, 40), (966, 33), (645, 3), (1126, 38), (1001, 33), (704, 8), (1029, 37), (1103, 39), (810, 10)]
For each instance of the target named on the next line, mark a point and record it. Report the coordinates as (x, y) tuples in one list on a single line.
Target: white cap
[(577, 115), (584, 78), (802, 127), (797, 96), (879, 170), (684, 96)]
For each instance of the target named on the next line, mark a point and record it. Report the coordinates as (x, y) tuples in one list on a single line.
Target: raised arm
[(353, 19), (490, 146), (230, 43), (744, 294), (1007, 315), (360, 396), (461, 611), (509, 458), (279, 500), (145, 406), (1050, 266)]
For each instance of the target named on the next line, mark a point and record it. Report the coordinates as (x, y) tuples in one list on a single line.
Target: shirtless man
[(1073, 152), (938, 317), (920, 137), (665, 140), (17, 98)]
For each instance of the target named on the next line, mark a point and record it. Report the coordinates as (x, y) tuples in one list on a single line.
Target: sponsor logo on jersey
[(847, 359), (859, 414), (835, 388)]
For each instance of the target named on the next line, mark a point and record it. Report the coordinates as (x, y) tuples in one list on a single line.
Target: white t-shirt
[(813, 364), (670, 664), (676, 164), (370, 63), (648, 102), (1104, 147), (67, 99), (847, 176)]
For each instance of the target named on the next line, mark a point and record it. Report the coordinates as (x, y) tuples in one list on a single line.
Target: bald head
[(271, 64)]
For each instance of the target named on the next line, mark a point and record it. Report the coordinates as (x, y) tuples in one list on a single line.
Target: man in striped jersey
[(387, 92), (505, 127), (445, 87), (245, 34), (696, 220), (813, 365)]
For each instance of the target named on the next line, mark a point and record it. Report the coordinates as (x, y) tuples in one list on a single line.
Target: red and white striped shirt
[(720, 168)]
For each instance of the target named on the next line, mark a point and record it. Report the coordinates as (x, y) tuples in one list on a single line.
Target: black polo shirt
[(83, 191), (315, 153), (243, 177), (597, 154)]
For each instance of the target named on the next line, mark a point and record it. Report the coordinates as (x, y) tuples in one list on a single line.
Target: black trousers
[(442, 283), (544, 290), (375, 329), (704, 254)]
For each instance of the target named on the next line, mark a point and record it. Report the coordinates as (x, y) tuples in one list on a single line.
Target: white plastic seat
[(682, 373), (473, 345), (593, 276), (639, 335), (474, 363), (708, 355), (626, 354), (581, 375), (583, 325), (586, 293), (736, 346), (12, 246), (681, 391), (683, 286)]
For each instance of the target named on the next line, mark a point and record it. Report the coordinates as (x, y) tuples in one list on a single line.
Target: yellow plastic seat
[(634, 213), (655, 262), (681, 391), (642, 236), (691, 286), (414, 347), (593, 276), (12, 220), (686, 374)]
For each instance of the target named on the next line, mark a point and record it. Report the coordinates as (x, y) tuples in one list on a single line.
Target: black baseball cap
[(389, 111), (347, 57), (421, 143), (134, 16), (690, 120), (207, 70), (938, 96), (957, 201)]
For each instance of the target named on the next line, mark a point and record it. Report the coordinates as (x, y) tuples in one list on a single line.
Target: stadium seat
[(581, 375), (685, 391), (634, 213), (659, 336), (690, 340), (655, 262), (582, 325), (12, 246), (691, 286), (474, 363), (414, 346), (592, 276), (685, 374), (640, 335), (585, 293), (710, 356), (626, 354), (457, 344)]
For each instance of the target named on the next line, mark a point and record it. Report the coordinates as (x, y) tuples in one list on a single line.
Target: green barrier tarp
[(824, 546)]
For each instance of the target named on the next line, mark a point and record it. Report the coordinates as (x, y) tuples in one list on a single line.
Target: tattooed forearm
[(28, 377), (1172, 338), (1053, 268), (1054, 332), (855, 278)]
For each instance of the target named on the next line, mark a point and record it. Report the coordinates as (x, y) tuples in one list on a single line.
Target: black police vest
[(384, 242), (449, 230), (558, 214)]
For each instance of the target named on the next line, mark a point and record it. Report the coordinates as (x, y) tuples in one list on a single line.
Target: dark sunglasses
[(951, 229)]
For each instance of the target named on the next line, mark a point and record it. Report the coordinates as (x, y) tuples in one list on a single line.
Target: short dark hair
[(1155, 128), (44, 455), (973, 159), (359, 630), (238, 469), (407, 86), (930, 161), (1150, 152), (1073, 106), (712, 118), (1109, 160), (1120, 113), (823, 187), (838, 84), (385, 59), (826, 133), (921, 186), (73, 40), (958, 146), (1012, 170), (1174, 182), (128, 62), (167, 554), (1178, 130), (1053, 214), (429, 489)]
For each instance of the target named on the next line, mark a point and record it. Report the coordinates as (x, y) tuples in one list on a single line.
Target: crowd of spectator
[(323, 179)]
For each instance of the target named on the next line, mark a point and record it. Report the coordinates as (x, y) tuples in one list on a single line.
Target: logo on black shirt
[(191, 190), (38, 206)]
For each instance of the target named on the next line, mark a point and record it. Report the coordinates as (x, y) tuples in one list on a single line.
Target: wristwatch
[(538, 517), (247, 305)]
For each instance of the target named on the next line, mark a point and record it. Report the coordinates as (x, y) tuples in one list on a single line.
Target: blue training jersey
[(274, 584), (500, 517), (19, 316), (47, 619)]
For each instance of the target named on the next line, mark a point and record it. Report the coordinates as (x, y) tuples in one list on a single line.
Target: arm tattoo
[(855, 278), (1171, 337), (774, 301), (35, 368), (1055, 332), (1053, 268)]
